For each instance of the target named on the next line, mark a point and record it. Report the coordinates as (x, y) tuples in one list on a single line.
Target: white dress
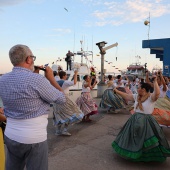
[(85, 101), (69, 112), (148, 105)]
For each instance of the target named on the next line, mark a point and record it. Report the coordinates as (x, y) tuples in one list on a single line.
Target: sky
[(52, 27)]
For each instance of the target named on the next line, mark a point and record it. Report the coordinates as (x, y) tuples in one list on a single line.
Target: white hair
[(19, 53)]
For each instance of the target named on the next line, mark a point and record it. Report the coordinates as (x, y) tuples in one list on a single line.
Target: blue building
[(160, 47)]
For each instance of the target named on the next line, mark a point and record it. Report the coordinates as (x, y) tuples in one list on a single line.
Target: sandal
[(83, 120), (88, 120)]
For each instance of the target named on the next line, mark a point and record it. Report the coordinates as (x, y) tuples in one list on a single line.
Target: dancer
[(120, 82), (141, 138), (127, 88), (69, 112), (162, 110), (133, 87), (167, 82), (85, 101), (110, 100), (162, 107), (161, 83)]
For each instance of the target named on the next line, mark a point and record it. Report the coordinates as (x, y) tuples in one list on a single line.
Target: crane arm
[(110, 46)]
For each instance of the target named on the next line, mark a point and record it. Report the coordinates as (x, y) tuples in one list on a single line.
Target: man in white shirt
[(56, 76), (120, 82)]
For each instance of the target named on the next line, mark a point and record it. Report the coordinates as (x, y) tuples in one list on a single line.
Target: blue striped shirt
[(26, 94)]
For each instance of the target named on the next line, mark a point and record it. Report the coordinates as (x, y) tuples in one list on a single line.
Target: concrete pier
[(89, 147)]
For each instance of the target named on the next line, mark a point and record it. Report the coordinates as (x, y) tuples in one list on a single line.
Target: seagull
[(66, 9)]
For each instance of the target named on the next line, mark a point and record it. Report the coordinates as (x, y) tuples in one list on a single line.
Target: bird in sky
[(66, 9)]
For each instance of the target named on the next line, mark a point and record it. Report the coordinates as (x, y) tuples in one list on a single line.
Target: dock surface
[(89, 147)]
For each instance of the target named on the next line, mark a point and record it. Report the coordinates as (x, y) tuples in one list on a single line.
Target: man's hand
[(1, 110), (49, 73), (146, 72), (76, 72), (154, 78)]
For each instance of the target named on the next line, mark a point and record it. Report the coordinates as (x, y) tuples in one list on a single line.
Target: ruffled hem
[(70, 120), (151, 151)]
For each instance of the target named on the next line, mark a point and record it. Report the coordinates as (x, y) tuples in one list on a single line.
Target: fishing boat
[(84, 68), (136, 69)]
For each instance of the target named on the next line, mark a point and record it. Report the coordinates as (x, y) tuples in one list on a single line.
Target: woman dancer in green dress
[(141, 138), (110, 100)]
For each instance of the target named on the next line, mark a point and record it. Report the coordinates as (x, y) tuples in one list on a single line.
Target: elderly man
[(26, 97)]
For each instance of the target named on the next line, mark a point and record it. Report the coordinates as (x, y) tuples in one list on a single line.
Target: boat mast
[(92, 50), (137, 60), (81, 41)]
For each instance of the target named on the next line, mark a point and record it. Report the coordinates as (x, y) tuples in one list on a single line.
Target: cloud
[(93, 2), (117, 13), (10, 2), (16, 2)]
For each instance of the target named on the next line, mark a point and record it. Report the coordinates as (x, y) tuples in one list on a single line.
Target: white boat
[(83, 69), (75, 91)]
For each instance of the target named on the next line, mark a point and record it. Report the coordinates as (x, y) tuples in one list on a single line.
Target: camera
[(37, 67), (153, 78)]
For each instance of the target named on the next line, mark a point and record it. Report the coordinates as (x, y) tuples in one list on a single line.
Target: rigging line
[(147, 23), (83, 42), (92, 49), (74, 42), (74, 47), (148, 33), (87, 45), (149, 26), (116, 52)]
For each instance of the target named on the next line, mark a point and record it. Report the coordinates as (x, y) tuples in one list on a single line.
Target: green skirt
[(142, 139), (111, 100)]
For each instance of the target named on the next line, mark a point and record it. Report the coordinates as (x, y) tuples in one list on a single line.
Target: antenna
[(116, 53), (74, 46), (92, 49), (74, 42), (81, 42), (147, 23)]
